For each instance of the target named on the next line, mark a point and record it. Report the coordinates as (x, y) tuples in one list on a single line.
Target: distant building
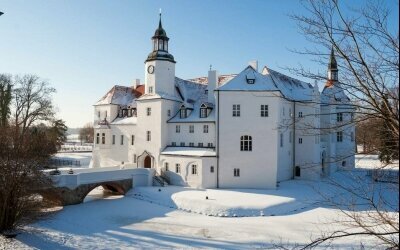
[(246, 130)]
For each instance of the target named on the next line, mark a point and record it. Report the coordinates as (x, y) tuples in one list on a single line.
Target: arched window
[(165, 45), (160, 45), (246, 143)]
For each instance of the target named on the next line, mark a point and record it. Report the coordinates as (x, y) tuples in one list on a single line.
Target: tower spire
[(332, 60), (160, 45), (159, 22), (332, 67)]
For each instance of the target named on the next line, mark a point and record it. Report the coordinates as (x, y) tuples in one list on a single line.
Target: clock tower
[(160, 66)]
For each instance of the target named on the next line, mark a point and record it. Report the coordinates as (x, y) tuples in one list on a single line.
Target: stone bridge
[(72, 188)]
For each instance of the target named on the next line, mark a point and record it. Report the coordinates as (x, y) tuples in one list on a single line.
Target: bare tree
[(367, 49), (86, 133), (31, 136), (31, 102)]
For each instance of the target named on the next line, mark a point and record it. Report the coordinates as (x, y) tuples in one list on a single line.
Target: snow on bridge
[(139, 176), (72, 186)]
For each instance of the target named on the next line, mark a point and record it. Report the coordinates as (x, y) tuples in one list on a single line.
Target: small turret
[(160, 45)]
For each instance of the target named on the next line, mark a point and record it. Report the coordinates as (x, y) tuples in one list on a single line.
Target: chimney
[(136, 83), (254, 64), (212, 84)]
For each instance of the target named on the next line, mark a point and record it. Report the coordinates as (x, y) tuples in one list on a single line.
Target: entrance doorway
[(147, 162)]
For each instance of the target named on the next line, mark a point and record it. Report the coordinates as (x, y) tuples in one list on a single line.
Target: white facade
[(247, 130)]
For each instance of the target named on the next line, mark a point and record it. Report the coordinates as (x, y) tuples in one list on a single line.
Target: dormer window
[(250, 81), (183, 112), (203, 112), (250, 78)]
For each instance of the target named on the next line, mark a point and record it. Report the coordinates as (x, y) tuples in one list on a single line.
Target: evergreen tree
[(389, 148), (5, 98)]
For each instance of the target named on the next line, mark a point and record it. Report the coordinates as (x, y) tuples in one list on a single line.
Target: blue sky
[(83, 48)]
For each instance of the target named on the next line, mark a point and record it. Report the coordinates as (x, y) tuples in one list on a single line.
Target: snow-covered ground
[(84, 158), (178, 217)]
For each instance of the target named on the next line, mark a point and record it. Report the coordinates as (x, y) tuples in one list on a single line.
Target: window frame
[(194, 169), (264, 110), (148, 135), (205, 129), (246, 143), (235, 110)]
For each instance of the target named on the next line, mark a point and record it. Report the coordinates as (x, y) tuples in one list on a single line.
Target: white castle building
[(247, 130)]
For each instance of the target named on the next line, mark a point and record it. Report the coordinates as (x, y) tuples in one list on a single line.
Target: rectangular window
[(103, 138), (281, 139), (203, 113), (182, 144), (264, 110), (194, 169), (173, 143), (166, 166), (205, 129), (183, 113), (97, 138), (352, 136), (339, 117), (113, 139), (246, 143), (191, 128), (148, 135), (212, 169), (169, 112), (236, 110), (132, 140), (134, 158), (150, 90), (122, 139), (191, 144), (200, 144), (339, 136), (236, 172), (178, 128), (300, 140), (148, 111), (300, 114), (177, 168), (210, 145)]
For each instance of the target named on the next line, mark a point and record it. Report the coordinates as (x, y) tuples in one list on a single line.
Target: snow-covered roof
[(239, 82), (291, 88), (194, 95), (124, 120), (222, 79), (121, 95), (189, 151), (334, 93)]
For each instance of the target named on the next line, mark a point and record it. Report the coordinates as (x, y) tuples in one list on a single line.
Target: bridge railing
[(140, 176)]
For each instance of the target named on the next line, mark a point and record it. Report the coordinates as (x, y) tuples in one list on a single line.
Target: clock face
[(150, 69)]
